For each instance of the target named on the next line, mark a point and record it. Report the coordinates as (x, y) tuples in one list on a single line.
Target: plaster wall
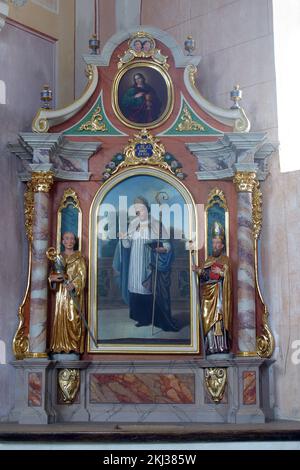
[(58, 24)]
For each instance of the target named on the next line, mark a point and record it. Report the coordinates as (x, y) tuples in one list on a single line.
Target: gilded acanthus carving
[(29, 210), (215, 380), (257, 210), (42, 181), (21, 340), (94, 124), (265, 343), (187, 123), (245, 181), (69, 383)]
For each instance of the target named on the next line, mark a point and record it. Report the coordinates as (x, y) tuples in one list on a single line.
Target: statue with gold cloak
[(68, 280), (216, 295)]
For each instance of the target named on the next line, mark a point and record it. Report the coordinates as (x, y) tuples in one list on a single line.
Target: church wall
[(24, 70), (85, 26), (235, 41), (59, 26), (84, 19), (280, 262)]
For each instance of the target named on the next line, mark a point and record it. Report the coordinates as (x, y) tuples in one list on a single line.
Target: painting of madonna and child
[(145, 292)]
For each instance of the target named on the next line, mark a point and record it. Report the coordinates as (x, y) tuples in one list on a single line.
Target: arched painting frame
[(109, 316)]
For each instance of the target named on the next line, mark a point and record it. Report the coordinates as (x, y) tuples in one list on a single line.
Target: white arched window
[(286, 19), (2, 92)]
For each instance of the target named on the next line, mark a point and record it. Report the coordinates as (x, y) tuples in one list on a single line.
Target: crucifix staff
[(161, 196)]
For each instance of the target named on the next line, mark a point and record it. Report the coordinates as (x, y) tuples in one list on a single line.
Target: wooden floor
[(273, 431)]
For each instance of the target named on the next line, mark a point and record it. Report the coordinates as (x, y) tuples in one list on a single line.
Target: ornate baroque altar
[(78, 158)]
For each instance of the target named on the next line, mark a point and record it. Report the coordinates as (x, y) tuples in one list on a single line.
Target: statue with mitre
[(216, 295)]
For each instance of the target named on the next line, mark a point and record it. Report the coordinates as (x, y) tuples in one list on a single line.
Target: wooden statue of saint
[(216, 295), (67, 333)]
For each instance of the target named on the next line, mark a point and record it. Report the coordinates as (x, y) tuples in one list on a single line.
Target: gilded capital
[(42, 181), (245, 181)]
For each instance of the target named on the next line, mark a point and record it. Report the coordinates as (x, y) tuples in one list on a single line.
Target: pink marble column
[(245, 182), (41, 184)]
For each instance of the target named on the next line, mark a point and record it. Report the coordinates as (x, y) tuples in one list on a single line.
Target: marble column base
[(149, 391)]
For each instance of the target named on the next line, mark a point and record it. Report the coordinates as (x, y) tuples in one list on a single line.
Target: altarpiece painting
[(142, 300)]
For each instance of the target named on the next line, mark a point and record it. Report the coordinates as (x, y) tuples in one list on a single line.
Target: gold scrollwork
[(245, 181), (187, 123), (215, 380), (242, 124), (217, 196), (94, 124), (20, 343), (29, 210), (144, 138), (89, 72), (192, 69), (70, 197), (69, 383), (256, 210), (42, 181), (265, 343)]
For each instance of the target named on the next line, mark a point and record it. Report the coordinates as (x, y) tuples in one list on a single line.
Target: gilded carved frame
[(140, 65)]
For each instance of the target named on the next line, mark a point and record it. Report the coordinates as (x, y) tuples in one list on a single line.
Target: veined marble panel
[(249, 390), (142, 388), (35, 380)]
